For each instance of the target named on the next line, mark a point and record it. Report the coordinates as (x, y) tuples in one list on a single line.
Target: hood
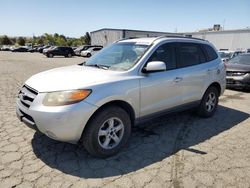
[(238, 67), (70, 77)]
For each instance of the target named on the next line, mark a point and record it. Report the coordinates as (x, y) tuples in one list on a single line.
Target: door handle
[(178, 79)]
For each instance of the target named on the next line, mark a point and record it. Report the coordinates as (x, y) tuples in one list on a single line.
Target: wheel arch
[(120, 103), (216, 85)]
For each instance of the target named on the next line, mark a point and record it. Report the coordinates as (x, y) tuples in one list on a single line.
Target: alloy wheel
[(110, 133)]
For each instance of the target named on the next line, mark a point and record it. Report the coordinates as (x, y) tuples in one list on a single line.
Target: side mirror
[(154, 66)]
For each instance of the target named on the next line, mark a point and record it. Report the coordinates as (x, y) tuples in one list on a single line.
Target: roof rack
[(126, 39), (178, 36)]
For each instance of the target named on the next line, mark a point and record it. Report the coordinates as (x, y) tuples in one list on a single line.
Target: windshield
[(225, 54), (119, 56), (241, 59)]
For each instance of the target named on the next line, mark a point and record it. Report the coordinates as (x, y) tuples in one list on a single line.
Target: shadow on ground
[(149, 143)]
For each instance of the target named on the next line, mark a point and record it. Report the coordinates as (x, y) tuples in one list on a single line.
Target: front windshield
[(119, 56), (225, 54), (241, 59)]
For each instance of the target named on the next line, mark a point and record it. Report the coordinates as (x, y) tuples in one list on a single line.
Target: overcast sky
[(75, 17)]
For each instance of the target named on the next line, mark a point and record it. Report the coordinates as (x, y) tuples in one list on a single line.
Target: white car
[(90, 52), (225, 55)]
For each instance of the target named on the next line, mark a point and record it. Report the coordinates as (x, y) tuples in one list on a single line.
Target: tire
[(88, 55), (209, 102), (50, 55), (98, 131), (69, 55)]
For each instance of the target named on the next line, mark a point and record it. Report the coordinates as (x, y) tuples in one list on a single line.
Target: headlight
[(65, 97)]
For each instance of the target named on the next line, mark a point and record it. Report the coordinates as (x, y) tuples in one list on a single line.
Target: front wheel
[(107, 132), (88, 55), (50, 55), (209, 102)]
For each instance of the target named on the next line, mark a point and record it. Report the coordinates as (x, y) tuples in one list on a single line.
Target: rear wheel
[(88, 55), (209, 102), (50, 55), (107, 132), (69, 55)]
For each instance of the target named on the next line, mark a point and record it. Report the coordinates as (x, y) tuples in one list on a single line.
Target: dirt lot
[(181, 150)]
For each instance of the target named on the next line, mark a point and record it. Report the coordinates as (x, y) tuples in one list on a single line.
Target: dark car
[(238, 72), (32, 50), (82, 48), (60, 51), (40, 49), (20, 49)]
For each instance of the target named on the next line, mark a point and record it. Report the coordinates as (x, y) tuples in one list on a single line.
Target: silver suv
[(97, 102)]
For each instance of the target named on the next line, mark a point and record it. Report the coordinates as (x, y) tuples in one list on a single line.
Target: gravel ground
[(178, 150)]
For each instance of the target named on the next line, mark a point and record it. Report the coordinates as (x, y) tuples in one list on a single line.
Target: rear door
[(191, 61)]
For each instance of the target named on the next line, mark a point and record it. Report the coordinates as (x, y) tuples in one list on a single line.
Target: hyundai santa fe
[(97, 102)]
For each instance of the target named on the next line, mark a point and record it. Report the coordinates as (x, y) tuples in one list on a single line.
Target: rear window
[(210, 52), (190, 54)]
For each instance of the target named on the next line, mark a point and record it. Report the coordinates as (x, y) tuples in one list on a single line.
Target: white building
[(228, 39)]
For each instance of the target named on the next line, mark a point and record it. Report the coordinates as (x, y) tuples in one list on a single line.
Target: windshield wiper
[(105, 67)]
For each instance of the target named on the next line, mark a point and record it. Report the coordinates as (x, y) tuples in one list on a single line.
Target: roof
[(111, 29), (150, 40)]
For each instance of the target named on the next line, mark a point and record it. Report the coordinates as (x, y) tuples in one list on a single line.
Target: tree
[(5, 40), (21, 41), (87, 38)]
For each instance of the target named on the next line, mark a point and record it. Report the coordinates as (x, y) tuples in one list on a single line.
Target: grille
[(27, 95), (233, 73)]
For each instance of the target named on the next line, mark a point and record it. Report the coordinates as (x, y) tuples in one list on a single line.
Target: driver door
[(161, 91)]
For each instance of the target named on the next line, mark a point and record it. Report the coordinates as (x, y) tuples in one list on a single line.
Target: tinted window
[(210, 52), (241, 59), (190, 54), (165, 53), (96, 49)]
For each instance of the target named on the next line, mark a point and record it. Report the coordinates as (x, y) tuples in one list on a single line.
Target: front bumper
[(62, 123), (238, 81)]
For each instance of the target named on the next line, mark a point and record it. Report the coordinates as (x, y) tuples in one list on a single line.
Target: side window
[(211, 54), (190, 54), (165, 53), (96, 49)]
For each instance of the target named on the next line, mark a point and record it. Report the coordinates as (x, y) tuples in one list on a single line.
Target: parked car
[(90, 51), (97, 102), (20, 49), (225, 55), (40, 50), (6, 48), (59, 51), (32, 50), (48, 49), (236, 53), (248, 50), (85, 47), (238, 72)]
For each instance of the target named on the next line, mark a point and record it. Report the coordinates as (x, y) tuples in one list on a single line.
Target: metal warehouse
[(107, 36), (226, 39)]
